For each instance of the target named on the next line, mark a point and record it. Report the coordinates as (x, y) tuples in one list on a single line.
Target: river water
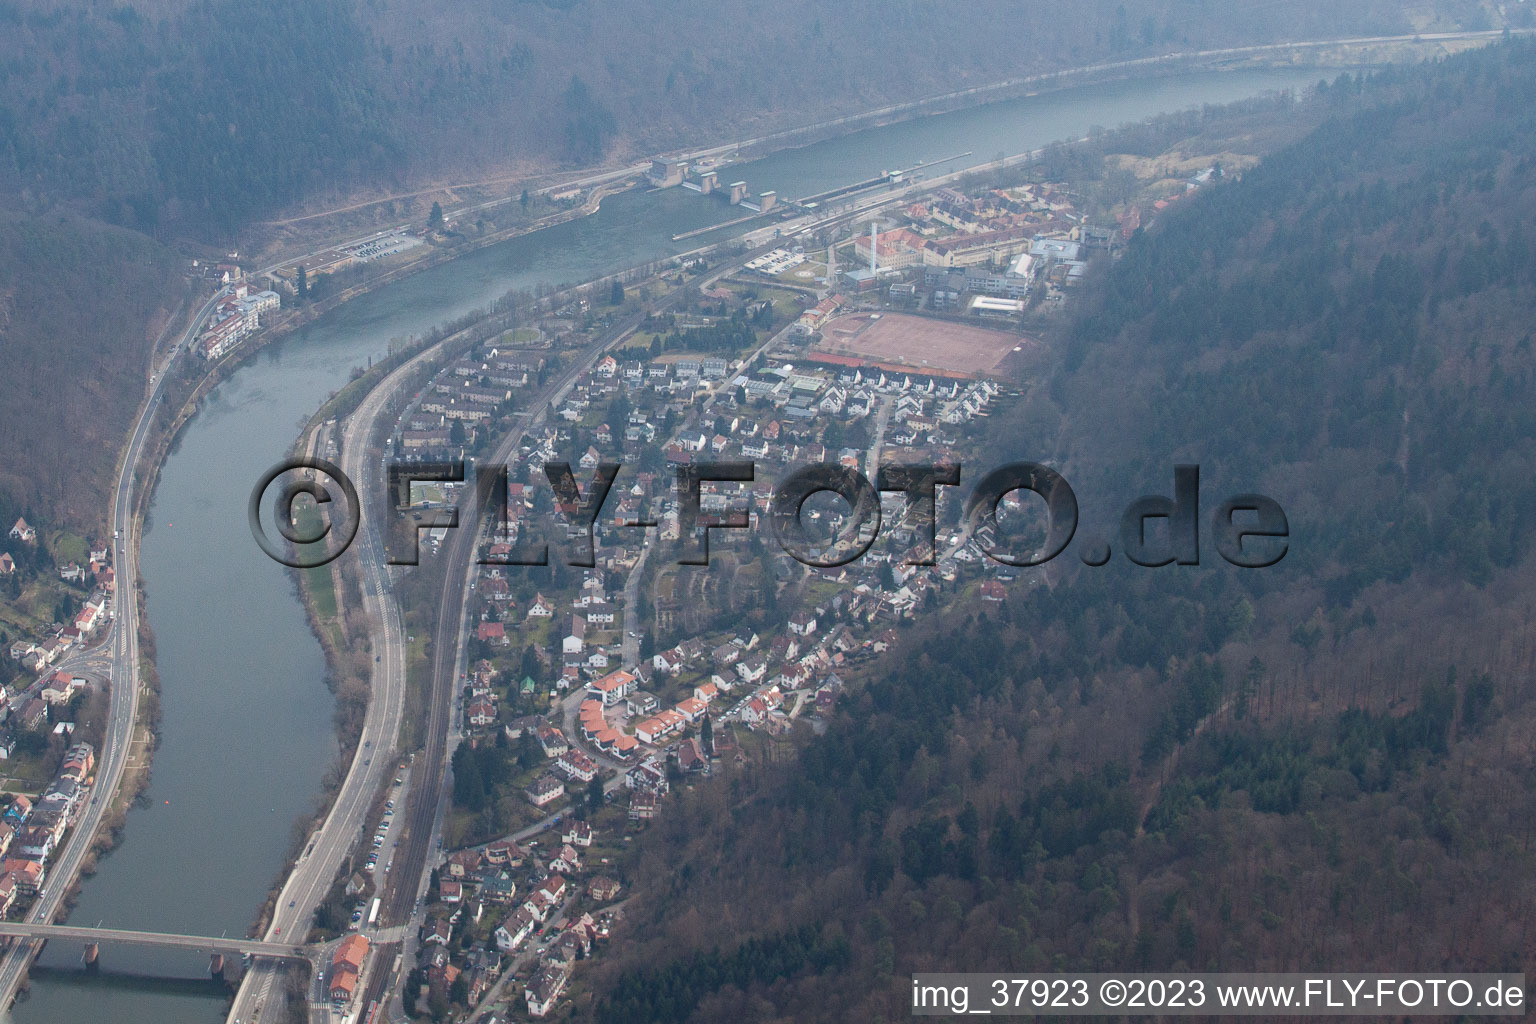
[(246, 732)]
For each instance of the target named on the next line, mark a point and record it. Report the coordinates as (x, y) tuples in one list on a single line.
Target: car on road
[(292, 902)]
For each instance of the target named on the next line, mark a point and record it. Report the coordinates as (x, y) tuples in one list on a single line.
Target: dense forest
[(80, 304), (196, 116), (1320, 765), (190, 120)]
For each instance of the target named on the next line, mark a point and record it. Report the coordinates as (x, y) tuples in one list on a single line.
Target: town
[(637, 676), (633, 677)]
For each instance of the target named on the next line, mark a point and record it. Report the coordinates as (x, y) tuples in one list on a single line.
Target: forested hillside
[(80, 305), (195, 116), (187, 120), (1325, 764)]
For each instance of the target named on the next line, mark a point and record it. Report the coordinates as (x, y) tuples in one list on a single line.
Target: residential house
[(545, 790), (567, 861), (546, 987), (29, 875), (753, 669), (576, 766), (462, 862), (690, 756), (613, 688), (577, 833), (575, 638), (552, 741), (482, 713), (504, 852), (514, 931), (643, 805), (602, 888)]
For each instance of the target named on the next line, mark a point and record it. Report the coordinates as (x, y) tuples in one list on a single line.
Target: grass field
[(521, 336)]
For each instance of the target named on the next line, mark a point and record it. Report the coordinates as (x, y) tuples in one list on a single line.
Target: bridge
[(162, 940)]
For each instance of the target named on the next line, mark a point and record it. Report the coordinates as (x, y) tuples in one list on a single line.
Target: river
[(246, 732)]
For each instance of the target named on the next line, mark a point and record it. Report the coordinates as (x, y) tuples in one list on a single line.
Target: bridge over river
[(214, 946)]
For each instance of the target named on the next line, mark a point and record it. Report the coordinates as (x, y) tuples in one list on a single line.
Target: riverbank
[(328, 592), (362, 215), (322, 591), (307, 370)]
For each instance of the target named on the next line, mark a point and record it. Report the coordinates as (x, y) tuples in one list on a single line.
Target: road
[(308, 883), (882, 420), (425, 802), (376, 756), (428, 800), (316, 868), (123, 689), (629, 655)]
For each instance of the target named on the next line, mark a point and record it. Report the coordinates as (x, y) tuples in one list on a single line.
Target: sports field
[(902, 340)]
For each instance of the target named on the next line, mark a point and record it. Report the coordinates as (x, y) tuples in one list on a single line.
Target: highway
[(123, 689), (376, 756)]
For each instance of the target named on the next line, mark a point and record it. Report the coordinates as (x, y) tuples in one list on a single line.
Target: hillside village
[(575, 736), (635, 676), (46, 673)]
